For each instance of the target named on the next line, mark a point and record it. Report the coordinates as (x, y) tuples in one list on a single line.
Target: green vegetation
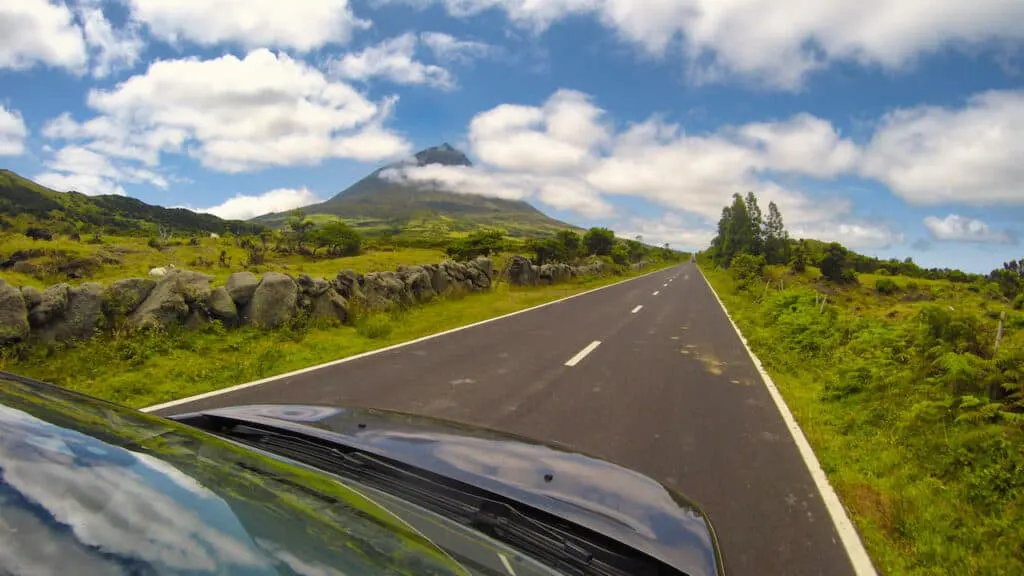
[(915, 414), (152, 367)]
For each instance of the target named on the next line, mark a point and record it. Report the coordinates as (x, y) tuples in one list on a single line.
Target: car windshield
[(87, 487)]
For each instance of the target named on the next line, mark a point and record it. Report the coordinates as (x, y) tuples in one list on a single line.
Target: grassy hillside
[(918, 423), (24, 203)]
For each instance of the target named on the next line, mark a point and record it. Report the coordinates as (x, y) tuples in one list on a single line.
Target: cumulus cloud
[(567, 154), (932, 155), (776, 44), (40, 32), (451, 49), (244, 207), (90, 184), (302, 25), (113, 49), (959, 228), (12, 132), (86, 171), (393, 59), (856, 235), (233, 115), (671, 228)]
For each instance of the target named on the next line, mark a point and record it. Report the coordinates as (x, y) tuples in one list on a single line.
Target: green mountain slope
[(376, 204), (23, 200)]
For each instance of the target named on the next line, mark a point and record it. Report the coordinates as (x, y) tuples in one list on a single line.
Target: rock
[(329, 305), (13, 314), (521, 272), (312, 287), (554, 273), (124, 296), (417, 282), (32, 296), (438, 279), (53, 303), (483, 264), (241, 286), (385, 289), (347, 285), (222, 306), (274, 301), (80, 319), (171, 299), (26, 268), (479, 272)]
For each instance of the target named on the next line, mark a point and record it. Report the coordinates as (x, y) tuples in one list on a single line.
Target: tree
[(776, 239), (298, 228), (756, 237), (835, 264), (546, 250), (620, 253), (799, 261), (339, 238), (571, 243), (479, 243), (599, 241)]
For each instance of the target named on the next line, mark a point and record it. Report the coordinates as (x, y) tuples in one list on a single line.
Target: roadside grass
[(931, 471), (149, 368), (124, 257)]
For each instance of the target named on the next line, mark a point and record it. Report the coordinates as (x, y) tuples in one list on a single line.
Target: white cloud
[(303, 25), (39, 32), (243, 207), (113, 49), (776, 43), (12, 132), (90, 184), (853, 234), (971, 155), (566, 154), (963, 229), (671, 228), (234, 115), (393, 59), (450, 49)]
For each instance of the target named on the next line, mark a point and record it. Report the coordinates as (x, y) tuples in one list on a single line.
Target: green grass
[(149, 368), (931, 471), (125, 257)]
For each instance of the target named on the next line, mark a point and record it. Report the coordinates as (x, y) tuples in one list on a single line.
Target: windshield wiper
[(549, 540)]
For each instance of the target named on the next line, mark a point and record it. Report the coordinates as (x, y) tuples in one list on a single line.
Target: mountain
[(378, 204), (23, 199)]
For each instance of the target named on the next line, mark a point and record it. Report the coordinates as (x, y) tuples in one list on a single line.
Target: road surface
[(647, 373)]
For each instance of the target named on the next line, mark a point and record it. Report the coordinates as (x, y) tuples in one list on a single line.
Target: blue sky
[(895, 129)]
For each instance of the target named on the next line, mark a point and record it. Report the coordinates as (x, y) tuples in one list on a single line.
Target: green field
[(148, 368), (893, 393)]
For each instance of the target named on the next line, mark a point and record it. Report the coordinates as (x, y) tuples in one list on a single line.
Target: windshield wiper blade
[(472, 506)]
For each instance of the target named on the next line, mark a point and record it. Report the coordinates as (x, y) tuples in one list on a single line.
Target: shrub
[(1018, 302), (886, 286), (39, 234), (913, 286), (620, 254), (747, 269), (153, 242), (374, 326)]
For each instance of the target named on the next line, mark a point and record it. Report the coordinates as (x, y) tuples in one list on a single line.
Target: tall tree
[(599, 241), (776, 239), (739, 236), (756, 224)]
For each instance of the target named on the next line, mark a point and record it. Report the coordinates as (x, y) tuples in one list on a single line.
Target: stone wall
[(183, 297), (187, 298)]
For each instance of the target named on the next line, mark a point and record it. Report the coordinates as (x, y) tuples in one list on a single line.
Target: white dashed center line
[(583, 353), (656, 292), (637, 309)]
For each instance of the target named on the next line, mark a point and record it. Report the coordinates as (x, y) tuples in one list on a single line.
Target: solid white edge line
[(858, 556), (507, 564), (235, 388), (637, 309), (583, 353)]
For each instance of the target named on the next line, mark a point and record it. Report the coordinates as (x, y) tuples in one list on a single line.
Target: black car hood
[(604, 497)]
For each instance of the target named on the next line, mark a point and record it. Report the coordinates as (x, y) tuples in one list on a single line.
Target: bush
[(39, 234), (913, 286), (886, 286), (620, 254), (153, 242), (374, 326), (747, 269), (1018, 302)]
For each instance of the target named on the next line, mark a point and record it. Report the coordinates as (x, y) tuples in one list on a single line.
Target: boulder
[(222, 306), (169, 302), (32, 296), (479, 272), (329, 305), (438, 279), (80, 319), (124, 296), (347, 285), (13, 314), (483, 264), (521, 272), (417, 282), (53, 302), (554, 273), (241, 286), (274, 301), (312, 287), (385, 289)]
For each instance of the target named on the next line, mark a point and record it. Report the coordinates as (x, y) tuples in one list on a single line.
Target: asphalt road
[(670, 391)]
